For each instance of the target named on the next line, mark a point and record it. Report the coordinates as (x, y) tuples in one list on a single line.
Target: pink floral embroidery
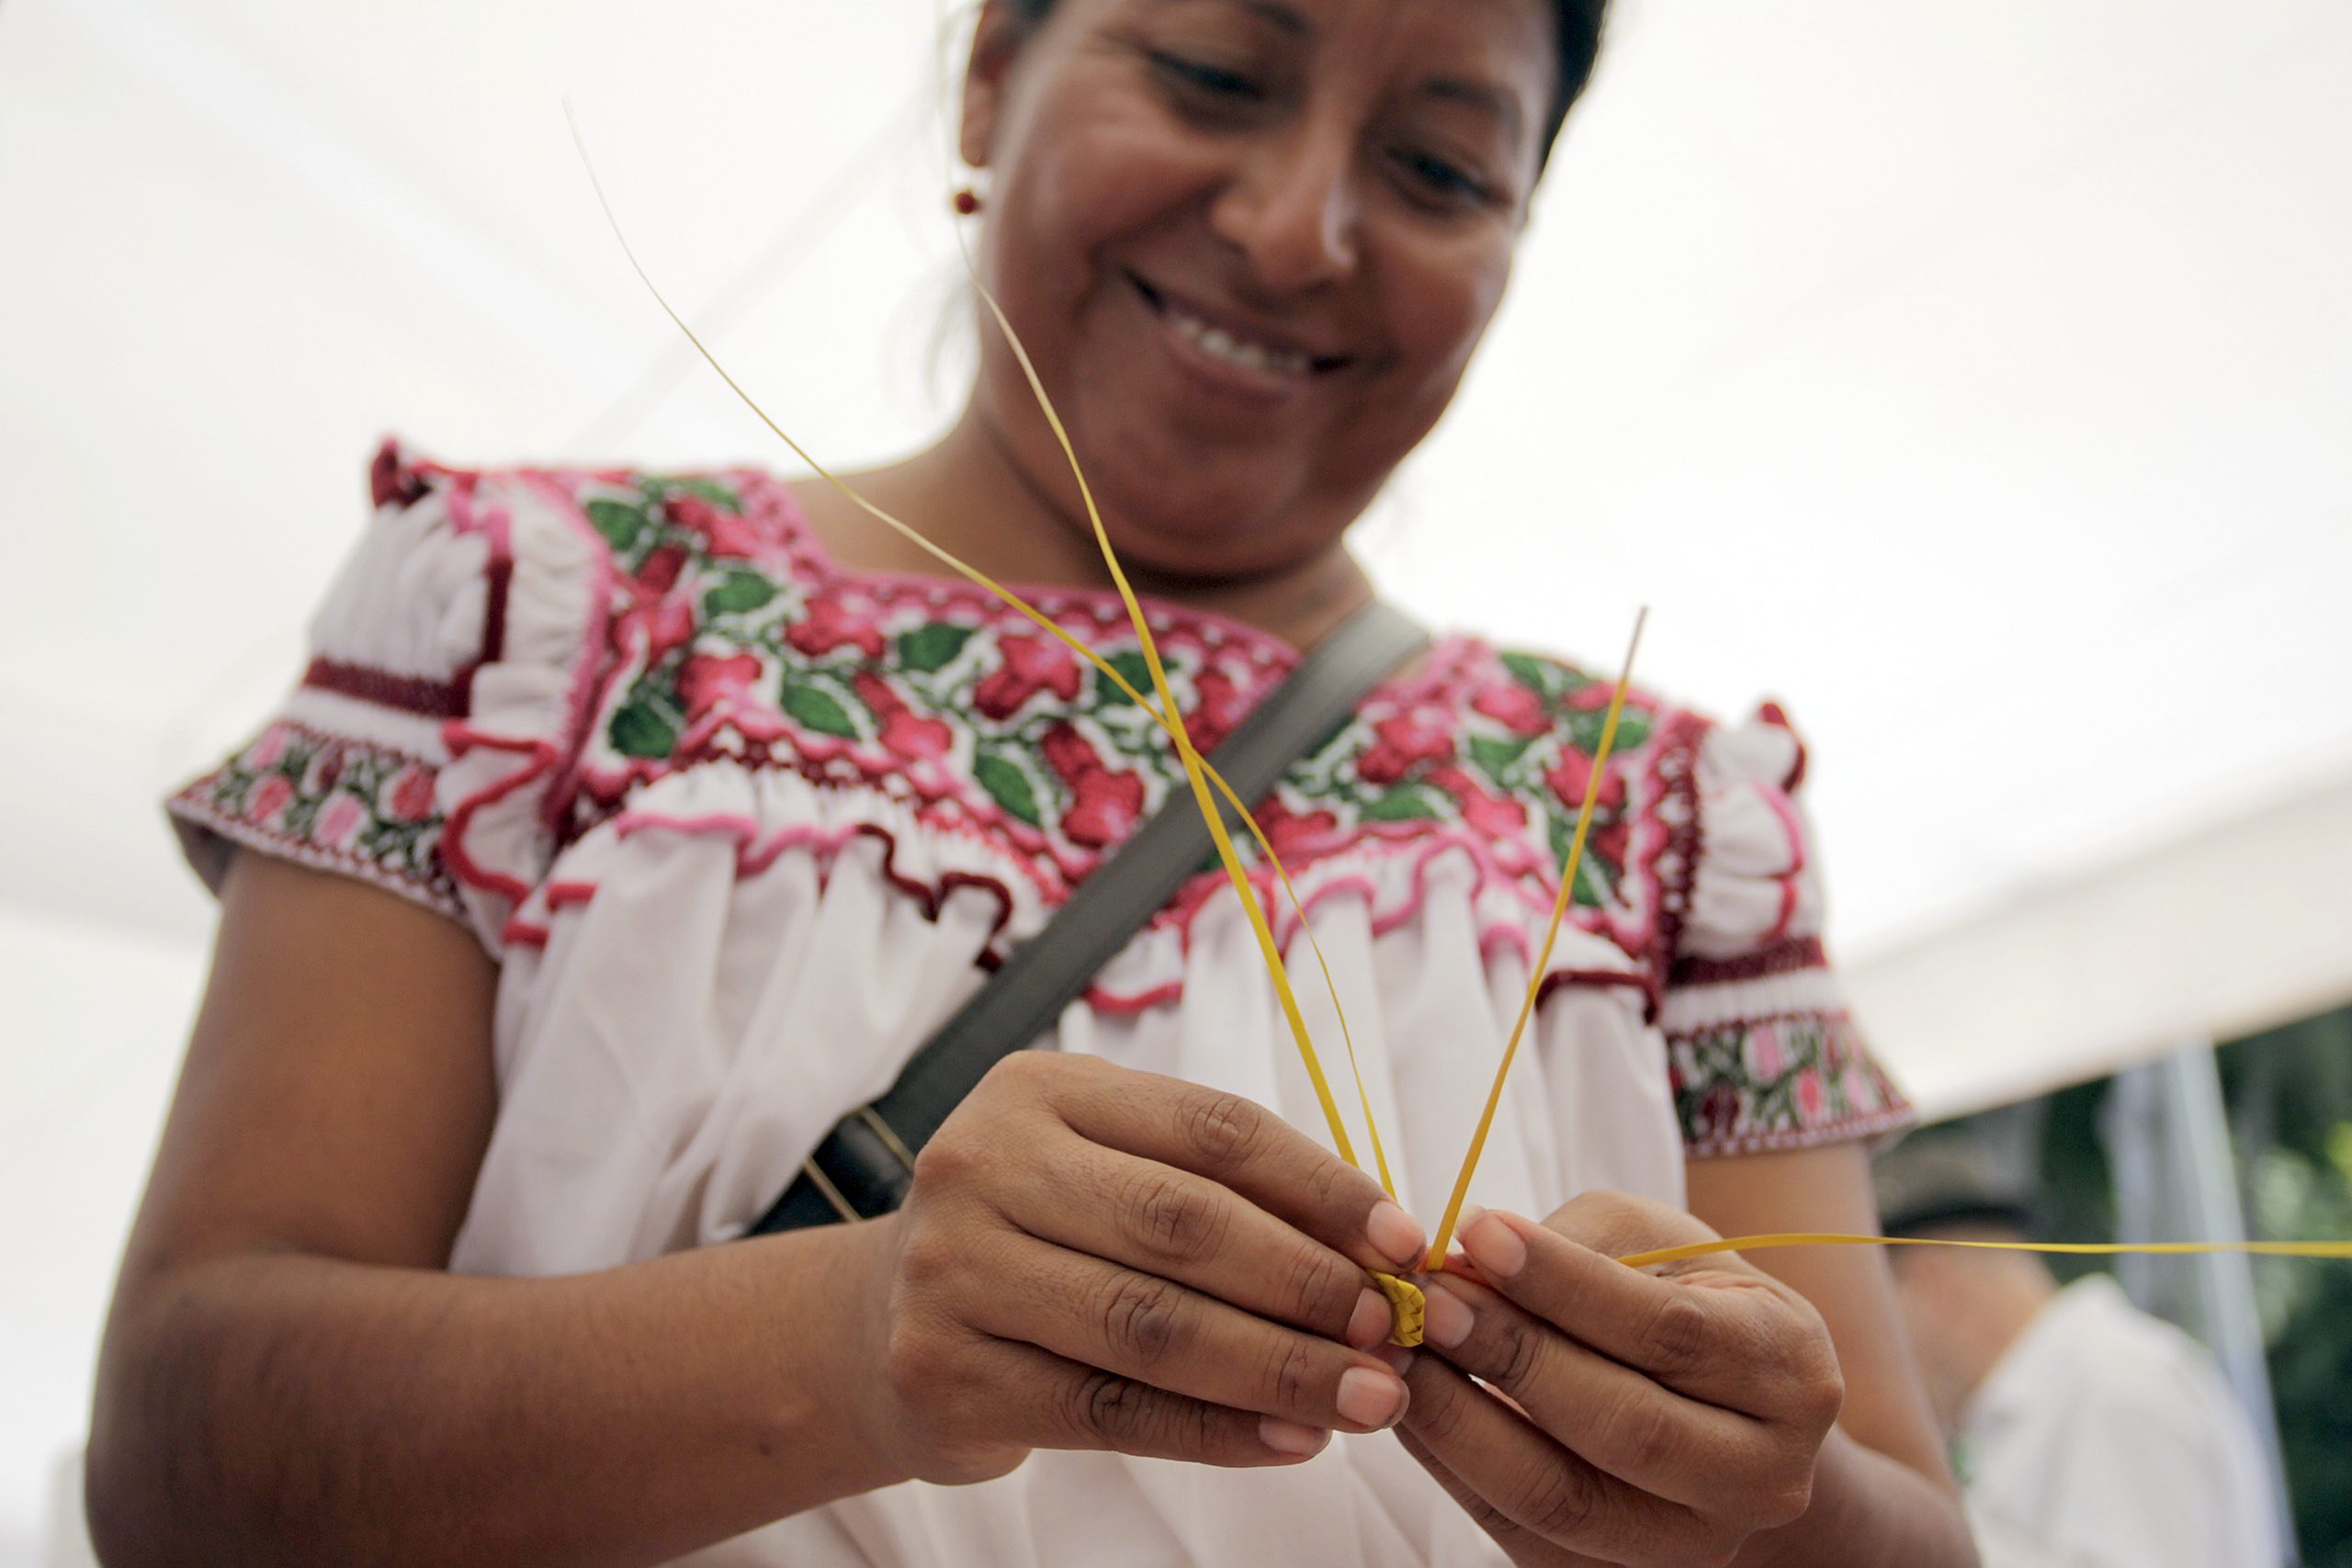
[(904, 732), (1105, 804), (833, 622), (1572, 775), (725, 535), (1518, 709), (704, 681), (1033, 663), (1400, 743), (339, 822), (411, 799), (1294, 831), (269, 797), (1484, 810)]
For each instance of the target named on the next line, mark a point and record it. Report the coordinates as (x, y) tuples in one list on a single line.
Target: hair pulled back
[(1579, 40)]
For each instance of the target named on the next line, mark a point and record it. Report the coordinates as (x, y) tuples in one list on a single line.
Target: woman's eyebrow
[(1285, 17), (1501, 103)]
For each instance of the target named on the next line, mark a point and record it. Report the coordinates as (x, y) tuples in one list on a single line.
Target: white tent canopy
[(1975, 376)]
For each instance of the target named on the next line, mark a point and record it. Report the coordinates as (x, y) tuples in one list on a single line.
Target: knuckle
[(1290, 1374), (1221, 1128), (1439, 1415), (1518, 1349), (1823, 1398), (1109, 1407), (1643, 1437), (1329, 1183), (1322, 1290), (1674, 1342), (1787, 1503), (1141, 1318), (1559, 1499), (1173, 1217)]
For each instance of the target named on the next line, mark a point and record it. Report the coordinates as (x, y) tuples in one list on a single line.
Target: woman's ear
[(997, 39)]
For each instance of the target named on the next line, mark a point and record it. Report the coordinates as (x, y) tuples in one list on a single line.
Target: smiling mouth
[(1234, 348)]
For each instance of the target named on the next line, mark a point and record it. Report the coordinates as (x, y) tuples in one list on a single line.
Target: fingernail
[(1290, 1437), (1370, 1399), (1493, 1246), (1394, 1233), (1399, 1359), (1372, 1322), (1446, 1318)]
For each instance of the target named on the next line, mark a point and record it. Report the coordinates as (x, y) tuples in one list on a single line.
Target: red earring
[(968, 201)]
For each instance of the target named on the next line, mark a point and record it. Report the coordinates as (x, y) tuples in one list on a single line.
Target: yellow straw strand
[(1268, 949), (2325, 1249), (1544, 955), (1196, 769)]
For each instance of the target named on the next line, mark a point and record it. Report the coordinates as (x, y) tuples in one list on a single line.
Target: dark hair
[(1579, 36)]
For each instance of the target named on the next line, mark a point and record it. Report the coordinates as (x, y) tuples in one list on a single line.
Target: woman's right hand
[(1096, 1258)]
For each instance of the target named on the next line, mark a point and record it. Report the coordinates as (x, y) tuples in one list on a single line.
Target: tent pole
[(2175, 1179)]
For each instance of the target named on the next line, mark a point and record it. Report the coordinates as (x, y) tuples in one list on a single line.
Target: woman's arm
[(1882, 1492), (1089, 1258), (287, 1375)]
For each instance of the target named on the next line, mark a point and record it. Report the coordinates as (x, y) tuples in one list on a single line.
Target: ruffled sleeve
[(451, 667), (1763, 1053)]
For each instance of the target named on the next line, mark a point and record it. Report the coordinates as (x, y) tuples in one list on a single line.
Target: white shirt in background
[(2106, 1439)]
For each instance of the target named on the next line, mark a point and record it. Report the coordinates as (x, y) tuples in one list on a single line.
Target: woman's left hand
[(1651, 1417)]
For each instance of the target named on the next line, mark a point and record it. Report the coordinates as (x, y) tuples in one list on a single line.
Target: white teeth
[(1218, 343)]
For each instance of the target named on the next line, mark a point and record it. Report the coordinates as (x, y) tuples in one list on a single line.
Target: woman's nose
[(1291, 211)]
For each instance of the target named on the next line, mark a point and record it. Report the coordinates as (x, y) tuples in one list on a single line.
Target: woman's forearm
[(1868, 1511), (277, 1407)]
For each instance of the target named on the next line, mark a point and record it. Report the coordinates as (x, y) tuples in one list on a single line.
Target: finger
[(1639, 1431), (1726, 1334), (1521, 1544), (1241, 1144), (1532, 1482), (1171, 1223), (1157, 1332), (1076, 1406)]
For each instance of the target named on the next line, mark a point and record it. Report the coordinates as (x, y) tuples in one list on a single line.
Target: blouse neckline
[(1101, 603)]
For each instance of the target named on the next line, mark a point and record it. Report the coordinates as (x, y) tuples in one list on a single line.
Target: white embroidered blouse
[(742, 827)]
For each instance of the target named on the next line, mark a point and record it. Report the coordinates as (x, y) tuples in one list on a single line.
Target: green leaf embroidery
[(618, 521), (1409, 803), (1008, 786), (740, 591), (1131, 663), (933, 646), (718, 495), (641, 730), (811, 705), (1592, 882), (1539, 676), (1495, 757), (1584, 729)]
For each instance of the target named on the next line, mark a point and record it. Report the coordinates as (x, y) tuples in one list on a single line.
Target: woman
[(672, 813)]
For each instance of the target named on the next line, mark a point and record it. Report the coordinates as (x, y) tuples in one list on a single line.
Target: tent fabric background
[(1973, 377)]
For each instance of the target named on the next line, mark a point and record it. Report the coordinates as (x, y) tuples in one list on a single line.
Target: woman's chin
[(1210, 534)]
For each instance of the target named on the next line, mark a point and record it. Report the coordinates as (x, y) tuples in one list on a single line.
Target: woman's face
[(1250, 245)]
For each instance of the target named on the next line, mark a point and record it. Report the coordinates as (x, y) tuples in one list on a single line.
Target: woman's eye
[(1213, 81), (1442, 180)]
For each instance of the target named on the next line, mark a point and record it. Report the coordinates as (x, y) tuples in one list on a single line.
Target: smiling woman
[(629, 831)]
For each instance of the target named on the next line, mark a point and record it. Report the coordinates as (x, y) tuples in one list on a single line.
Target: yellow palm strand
[(1544, 955), (1196, 768), (2331, 1250)]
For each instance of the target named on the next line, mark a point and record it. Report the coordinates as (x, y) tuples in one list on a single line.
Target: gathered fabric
[(742, 827)]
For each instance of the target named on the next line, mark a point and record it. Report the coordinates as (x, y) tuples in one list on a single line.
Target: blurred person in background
[(2088, 1433)]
